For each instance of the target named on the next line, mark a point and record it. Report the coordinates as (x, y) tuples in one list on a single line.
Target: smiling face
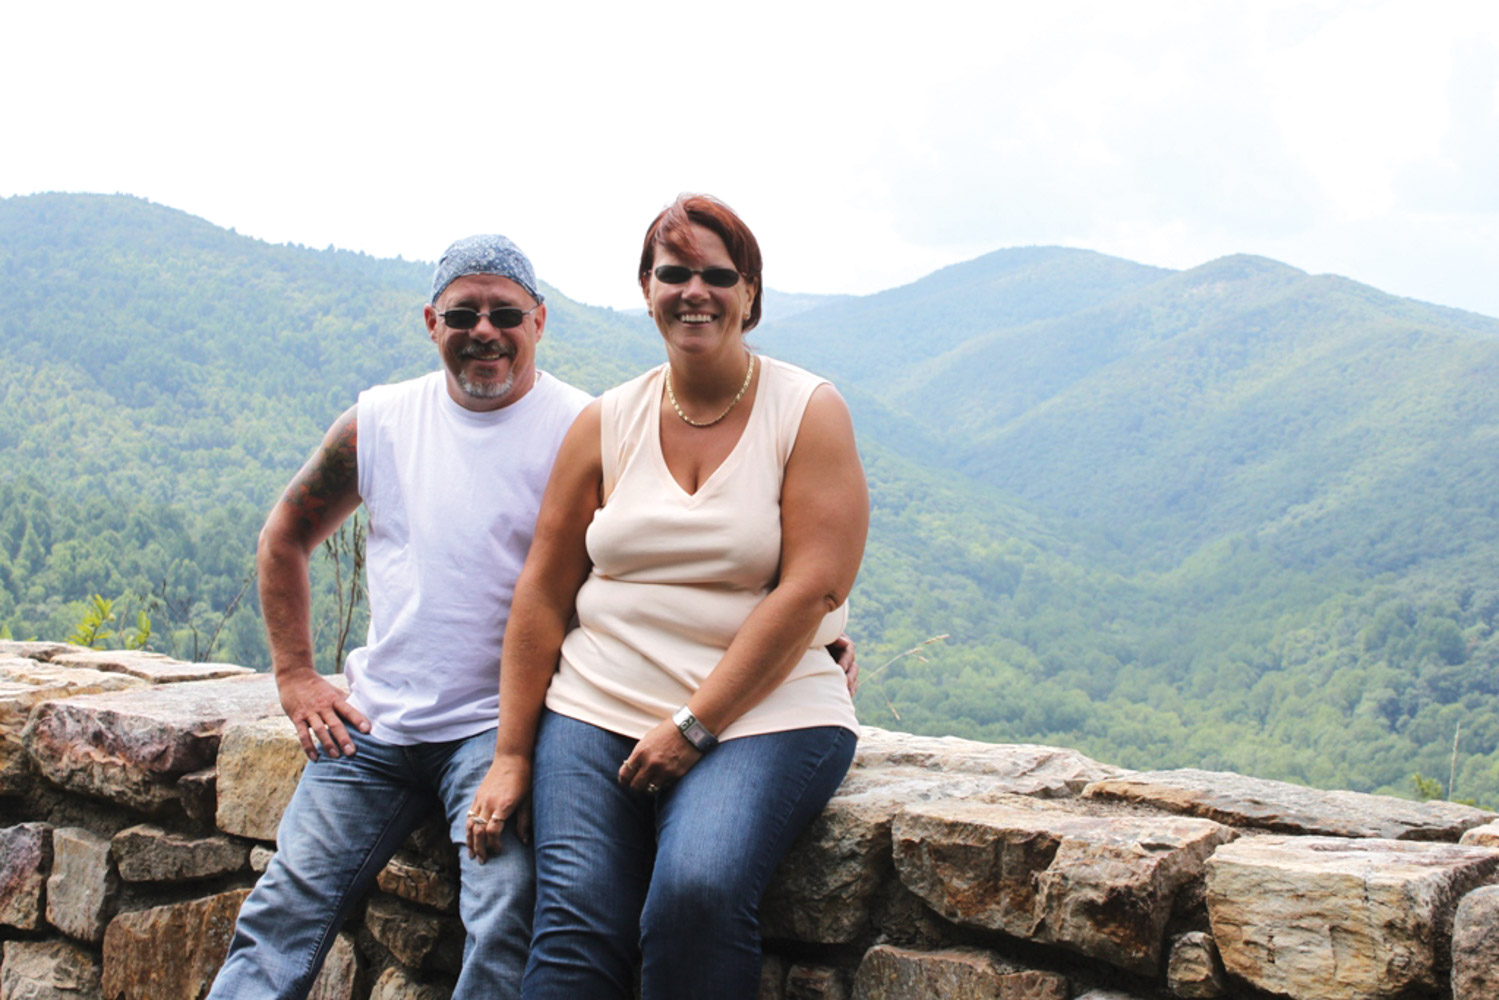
[(487, 368), (696, 316)]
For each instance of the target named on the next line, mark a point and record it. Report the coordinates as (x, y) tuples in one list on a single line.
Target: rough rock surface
[(147, 853), (1102, 886), (1241, 801), (169, 952), (48, 970), (25, 863), (1482, 836), (1475, 946), (34, 650), (198, 793), (154, 668), (815, 982), (131, 747), (24, 684), (341, 972), (825, 889), (396, 983), (889, 973), (772, 976), (420, 880), (1322, 918), (1194, 970), (1024, 768), (259, 764), (413, 936), (82, 890)]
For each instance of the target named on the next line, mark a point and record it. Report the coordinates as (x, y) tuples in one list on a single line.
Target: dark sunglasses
[(718, 277), (506, 318)]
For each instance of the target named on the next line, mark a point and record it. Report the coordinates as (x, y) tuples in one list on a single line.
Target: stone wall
[(139, 798)]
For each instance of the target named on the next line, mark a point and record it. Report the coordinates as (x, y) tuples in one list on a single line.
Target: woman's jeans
[(347, 817), (674, 879)]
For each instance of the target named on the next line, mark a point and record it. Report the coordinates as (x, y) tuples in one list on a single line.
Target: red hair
[(673, 230)]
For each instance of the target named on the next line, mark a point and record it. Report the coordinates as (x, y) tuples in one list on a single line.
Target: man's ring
[(472, 813), (631, 766)]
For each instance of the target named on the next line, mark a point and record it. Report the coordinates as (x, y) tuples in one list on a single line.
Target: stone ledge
[(131, 747), (1324, 918), (1101, 886), (1281, 807)]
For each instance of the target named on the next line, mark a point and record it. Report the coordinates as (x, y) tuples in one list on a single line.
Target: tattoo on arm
[(331, 475)]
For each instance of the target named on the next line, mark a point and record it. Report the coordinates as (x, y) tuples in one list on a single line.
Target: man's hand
[(319, 711), (842, 650)]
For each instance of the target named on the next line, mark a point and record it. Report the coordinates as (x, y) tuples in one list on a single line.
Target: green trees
[(1236, 517)]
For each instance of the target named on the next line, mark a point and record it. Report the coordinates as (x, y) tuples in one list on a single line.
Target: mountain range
[(1236, 516)]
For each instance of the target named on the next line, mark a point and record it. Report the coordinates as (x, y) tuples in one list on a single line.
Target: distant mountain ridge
[(1236, 516)]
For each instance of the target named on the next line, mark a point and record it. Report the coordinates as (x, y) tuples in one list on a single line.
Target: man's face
[(487, 367)]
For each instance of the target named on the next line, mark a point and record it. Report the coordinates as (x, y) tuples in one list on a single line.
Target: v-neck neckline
[(732, 457)]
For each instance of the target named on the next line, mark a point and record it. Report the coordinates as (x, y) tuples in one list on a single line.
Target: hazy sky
[(867, 143)]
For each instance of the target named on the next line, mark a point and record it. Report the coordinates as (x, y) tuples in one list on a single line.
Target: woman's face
[(696, 316)]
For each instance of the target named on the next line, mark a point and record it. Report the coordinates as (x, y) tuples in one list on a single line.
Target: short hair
[(673, 230)]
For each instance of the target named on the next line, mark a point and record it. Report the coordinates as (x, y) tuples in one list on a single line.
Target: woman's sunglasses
[(506, 318), (718, 277)]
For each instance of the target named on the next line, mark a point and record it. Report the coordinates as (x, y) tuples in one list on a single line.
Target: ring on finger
[(653, 788)]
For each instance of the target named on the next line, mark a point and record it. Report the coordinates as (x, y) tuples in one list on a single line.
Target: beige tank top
[(676, 574)]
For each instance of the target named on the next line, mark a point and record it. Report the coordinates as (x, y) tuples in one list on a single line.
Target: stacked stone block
[(139, 799)]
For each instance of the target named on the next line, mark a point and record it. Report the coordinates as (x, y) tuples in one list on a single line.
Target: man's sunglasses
[(507, 318), (718, 277)]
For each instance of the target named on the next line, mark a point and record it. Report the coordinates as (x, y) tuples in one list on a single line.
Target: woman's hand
[(505, 791), (659, 760)]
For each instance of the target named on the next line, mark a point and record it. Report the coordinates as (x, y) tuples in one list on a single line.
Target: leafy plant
[(93, 632)]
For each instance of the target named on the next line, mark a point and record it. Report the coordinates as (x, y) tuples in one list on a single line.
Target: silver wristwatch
[(693, 731)]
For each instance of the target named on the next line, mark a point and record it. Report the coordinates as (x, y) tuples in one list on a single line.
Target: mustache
[(493, 352)]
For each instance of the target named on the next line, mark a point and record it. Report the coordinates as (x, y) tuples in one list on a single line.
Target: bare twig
[(913, 651)]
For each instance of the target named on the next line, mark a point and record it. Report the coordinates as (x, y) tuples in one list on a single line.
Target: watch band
[(693, 731)]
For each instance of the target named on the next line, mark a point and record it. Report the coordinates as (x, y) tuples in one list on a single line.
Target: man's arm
[(316, 502)]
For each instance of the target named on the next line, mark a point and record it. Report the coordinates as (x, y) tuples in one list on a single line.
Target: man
[(451, 468)]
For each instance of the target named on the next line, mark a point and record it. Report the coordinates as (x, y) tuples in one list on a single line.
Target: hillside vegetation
[(1232, 517)]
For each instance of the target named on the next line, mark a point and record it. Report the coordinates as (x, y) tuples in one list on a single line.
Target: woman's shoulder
[(635, 388)]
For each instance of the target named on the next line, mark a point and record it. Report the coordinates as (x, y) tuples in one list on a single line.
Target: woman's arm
[(555, 568), (824, 521)]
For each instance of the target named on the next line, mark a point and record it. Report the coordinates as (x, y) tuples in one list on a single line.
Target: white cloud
[(867, 143)]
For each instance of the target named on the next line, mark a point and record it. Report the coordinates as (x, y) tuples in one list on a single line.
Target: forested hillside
[(1234, 517)]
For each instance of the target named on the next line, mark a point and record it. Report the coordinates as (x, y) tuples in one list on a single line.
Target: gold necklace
[(671, 394)]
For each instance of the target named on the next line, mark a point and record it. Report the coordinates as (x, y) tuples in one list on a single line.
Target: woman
[(705, 522)]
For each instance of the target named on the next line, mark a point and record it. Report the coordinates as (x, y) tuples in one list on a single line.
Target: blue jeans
[(673, 879), (347, 817)]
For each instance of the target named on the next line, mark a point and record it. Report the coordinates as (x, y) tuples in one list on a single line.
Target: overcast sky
[(866, 143)]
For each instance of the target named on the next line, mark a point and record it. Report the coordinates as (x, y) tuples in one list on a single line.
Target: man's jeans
[(348, 816), (674, 879)]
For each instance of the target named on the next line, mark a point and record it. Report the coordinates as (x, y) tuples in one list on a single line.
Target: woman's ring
[(653, 788)]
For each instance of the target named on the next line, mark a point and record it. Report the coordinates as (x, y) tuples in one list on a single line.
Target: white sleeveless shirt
[(452, 497), (676, 574)]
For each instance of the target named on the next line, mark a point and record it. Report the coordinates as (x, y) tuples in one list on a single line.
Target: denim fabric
[(675, 879), (347, 817)]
